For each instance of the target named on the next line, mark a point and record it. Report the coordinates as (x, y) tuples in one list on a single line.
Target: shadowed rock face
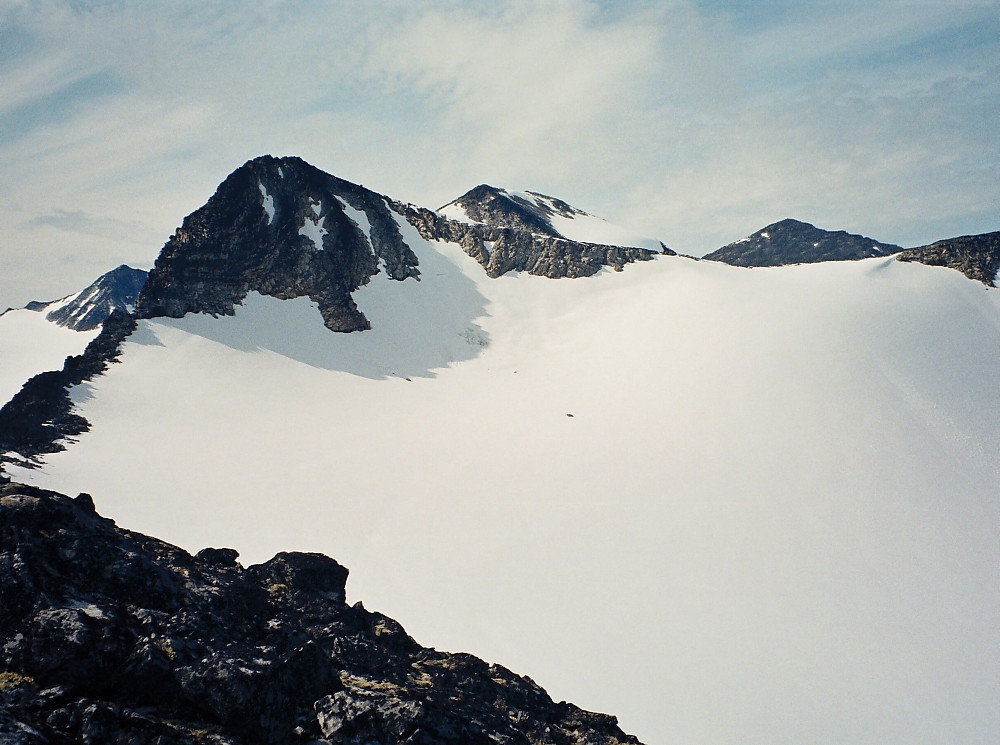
[(975, 256), (283, 228), (111, 636), (794, 242)]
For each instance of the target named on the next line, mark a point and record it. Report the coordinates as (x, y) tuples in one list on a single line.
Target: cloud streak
[(697, 122)]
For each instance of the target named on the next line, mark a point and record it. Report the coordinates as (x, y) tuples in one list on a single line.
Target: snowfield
[(726, 505), (29, 344)]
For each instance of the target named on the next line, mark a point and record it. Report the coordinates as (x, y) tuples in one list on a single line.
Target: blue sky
[(694, 122)]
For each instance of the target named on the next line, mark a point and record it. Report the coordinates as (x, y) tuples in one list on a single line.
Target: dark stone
[(217, 557), (85, 501), (795, 242), (295, 572), (110, 636)]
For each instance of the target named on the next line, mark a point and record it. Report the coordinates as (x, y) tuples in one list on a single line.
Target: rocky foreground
[(110, 636)]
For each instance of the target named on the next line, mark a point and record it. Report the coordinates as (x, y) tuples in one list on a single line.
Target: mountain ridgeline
[(795, 242), (281, 227)]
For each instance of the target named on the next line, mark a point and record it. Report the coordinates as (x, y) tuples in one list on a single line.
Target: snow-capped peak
[(542, 215), (87, 309)]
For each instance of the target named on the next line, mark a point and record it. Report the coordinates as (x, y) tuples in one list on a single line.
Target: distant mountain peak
[(87, 309), (491, 205), (792, 241), (284, 228)]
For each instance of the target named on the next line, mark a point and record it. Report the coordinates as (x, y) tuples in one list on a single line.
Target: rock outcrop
[(500, 249), (109, 636), (280, 227), (795, 242), (975, 256)]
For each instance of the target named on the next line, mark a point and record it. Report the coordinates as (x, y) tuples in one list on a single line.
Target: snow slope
[(772, 517), (30, 344)]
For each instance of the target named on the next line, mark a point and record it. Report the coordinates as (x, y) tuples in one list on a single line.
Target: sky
[(695, 122)]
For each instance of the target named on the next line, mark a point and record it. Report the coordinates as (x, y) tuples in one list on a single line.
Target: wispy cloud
[(697, 122)]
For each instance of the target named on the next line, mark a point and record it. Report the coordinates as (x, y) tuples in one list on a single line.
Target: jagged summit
[(280, 227), (795, 242), (87, 309)]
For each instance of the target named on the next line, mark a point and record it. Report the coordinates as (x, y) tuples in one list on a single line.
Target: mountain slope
[(111, 636), (795, 242), (706, 517), (726, 505)]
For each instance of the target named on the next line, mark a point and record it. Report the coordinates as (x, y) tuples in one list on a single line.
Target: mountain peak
[(87, 309), (791, 241), (284, 228), (280, 227)]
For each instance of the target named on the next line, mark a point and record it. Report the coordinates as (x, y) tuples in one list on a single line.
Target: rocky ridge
[(976, 256), (795, 242), (110, 636)]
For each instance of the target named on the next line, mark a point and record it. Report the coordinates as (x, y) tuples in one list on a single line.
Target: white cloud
[(694, 122)]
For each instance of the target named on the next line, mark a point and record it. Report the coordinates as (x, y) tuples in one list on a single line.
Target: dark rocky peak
[(85, 311), (794, 242), (280, 227), (976, 256), (110, 636), (499, 208)]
